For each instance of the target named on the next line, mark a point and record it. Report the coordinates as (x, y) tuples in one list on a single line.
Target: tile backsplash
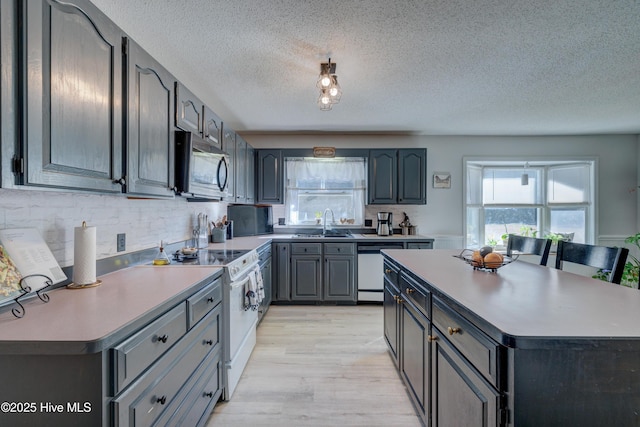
[(144, 221)]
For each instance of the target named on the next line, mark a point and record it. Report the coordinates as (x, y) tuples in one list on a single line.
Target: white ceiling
[(435, 67)]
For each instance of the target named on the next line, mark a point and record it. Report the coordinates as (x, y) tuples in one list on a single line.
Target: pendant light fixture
[(330, 90), (524, 179)]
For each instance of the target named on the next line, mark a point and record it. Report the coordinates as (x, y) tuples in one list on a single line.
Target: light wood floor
[(319, 366)]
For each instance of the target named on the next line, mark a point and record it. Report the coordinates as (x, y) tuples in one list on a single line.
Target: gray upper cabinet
[(193, 116), (240, 163), (397, 176), (229, 146), (412, 183), (189, 110), (251, 174), (241, 167), (212, 127), (383, 172), (269, 181), (72, 89), (150, 136)]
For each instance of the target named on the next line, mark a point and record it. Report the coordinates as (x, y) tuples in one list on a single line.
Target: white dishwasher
[(370, 274)]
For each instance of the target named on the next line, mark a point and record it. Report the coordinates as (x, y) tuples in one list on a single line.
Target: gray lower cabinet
[(150, 135), (166, 374), (281, 291), (266, 260), (317, 272), (339, 275), (460, 396), (72, 90), (450, 367), (391, 309), (306, 271)]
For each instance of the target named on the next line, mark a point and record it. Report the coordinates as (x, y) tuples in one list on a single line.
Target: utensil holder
[(218, 235)]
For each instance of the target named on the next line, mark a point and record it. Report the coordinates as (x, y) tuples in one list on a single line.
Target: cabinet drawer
[(479, 349), (339, 249), (391, 272), (202, 389), (134, 355), (159, 388), (203, 301), (419, 245), (204, 395), (416, 293), (306, 248)]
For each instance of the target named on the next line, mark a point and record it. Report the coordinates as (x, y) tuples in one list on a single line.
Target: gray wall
[(442, 217)]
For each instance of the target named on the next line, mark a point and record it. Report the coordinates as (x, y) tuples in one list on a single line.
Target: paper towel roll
[(84, 255)]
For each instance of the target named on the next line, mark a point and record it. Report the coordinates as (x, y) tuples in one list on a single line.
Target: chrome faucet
[(324, 221)]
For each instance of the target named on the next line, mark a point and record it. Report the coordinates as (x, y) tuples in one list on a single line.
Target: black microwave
[(250, 220), (201, 168)]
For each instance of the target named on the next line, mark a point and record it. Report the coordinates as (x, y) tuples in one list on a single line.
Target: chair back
[(602, 257), (529, 245)]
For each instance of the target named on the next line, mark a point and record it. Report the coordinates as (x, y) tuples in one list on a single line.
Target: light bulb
[(325, 81)]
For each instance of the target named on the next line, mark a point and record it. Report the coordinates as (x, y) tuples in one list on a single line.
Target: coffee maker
[(385, 224)]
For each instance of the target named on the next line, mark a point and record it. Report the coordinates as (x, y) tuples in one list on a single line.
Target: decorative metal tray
[(467, 256)]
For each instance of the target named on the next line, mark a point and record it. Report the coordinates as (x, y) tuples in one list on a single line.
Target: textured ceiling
[(439, 67)]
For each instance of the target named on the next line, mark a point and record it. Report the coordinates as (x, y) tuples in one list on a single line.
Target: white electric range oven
[(239, 329)]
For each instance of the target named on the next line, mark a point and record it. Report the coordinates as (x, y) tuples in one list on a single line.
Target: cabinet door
[(266, 283), (459, 395), (306, 278), (240, 166), (188, 110), (414, 357), (229, 146), (412, 185), (339, 278), (391, 318), (150, 135), (383, 175), (72, 87), (212, 127), (281, 275), (270, 173), (251, 174)]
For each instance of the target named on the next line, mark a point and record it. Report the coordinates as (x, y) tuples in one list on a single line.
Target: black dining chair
[(602, 257), (529, 245)]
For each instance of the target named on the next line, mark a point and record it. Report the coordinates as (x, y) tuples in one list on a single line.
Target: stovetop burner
[(209, 257)]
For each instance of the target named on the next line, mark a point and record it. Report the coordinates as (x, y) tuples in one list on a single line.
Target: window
[(536, 198), (313, 185)]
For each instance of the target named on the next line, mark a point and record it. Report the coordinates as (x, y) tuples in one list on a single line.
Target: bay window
[(534, 198)]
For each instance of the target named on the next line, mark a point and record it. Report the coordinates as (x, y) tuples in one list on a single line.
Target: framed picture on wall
[(441, 180)]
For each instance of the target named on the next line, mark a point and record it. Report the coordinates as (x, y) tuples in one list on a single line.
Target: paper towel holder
[(88, 285), (25, 289), (97, 282)]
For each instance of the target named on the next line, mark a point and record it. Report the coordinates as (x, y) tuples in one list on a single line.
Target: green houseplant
[(631, 274)]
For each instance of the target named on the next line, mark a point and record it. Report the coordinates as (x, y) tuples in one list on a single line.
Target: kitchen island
[(527, 345)]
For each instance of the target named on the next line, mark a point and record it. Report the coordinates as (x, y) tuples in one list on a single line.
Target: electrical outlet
[(122, 242)]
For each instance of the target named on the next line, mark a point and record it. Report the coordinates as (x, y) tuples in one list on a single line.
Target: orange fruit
[(476, 259), (493, 260)]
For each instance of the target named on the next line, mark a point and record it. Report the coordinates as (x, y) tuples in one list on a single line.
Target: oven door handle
[(241, 282)]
